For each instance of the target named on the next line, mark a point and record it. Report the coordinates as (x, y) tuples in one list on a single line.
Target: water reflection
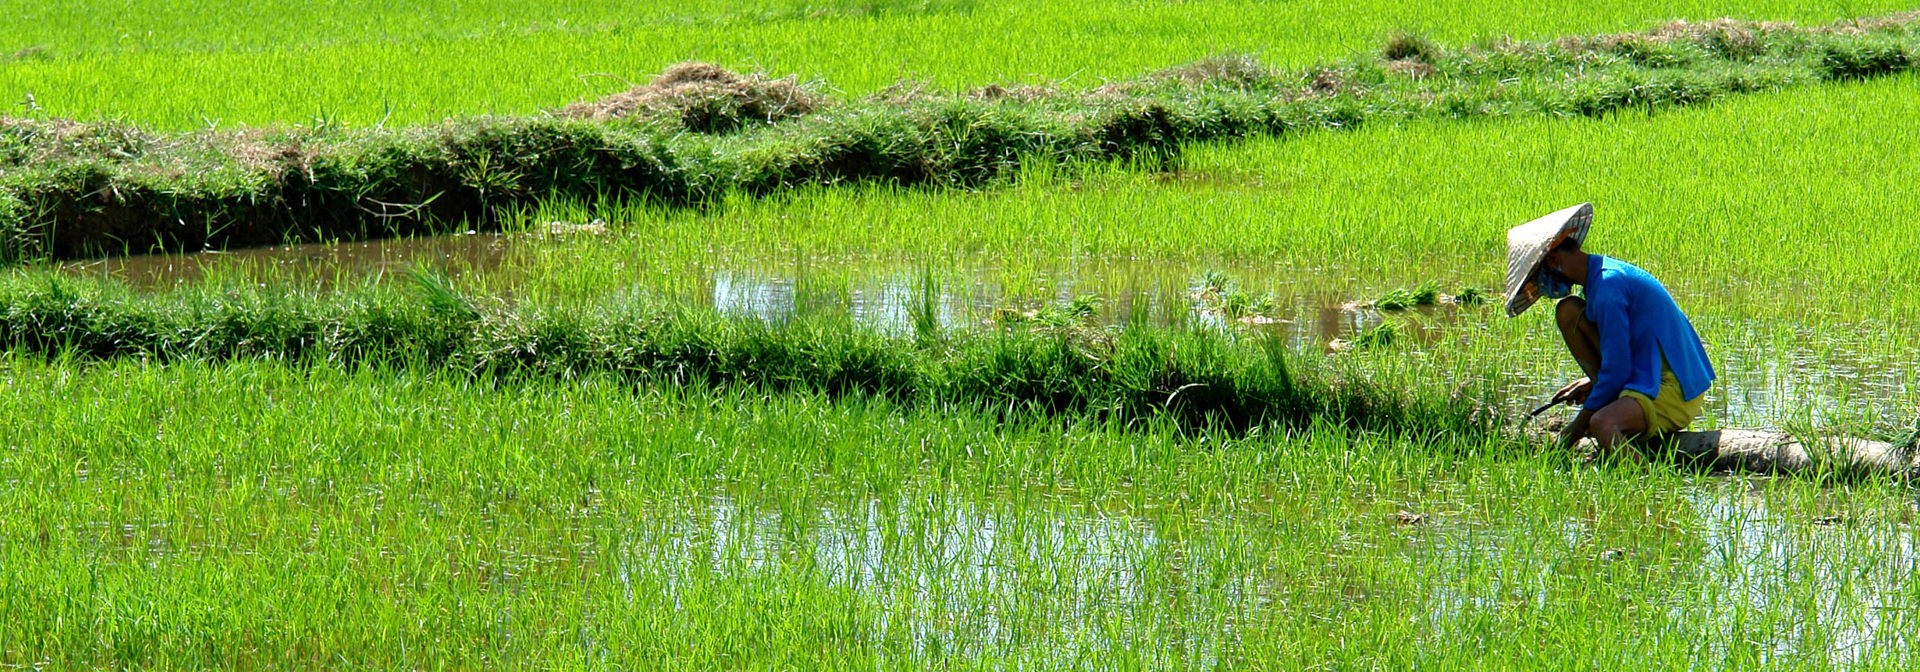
[(323, 265), (960, 578), (1842, 581), (981, 579), (1762, 382)]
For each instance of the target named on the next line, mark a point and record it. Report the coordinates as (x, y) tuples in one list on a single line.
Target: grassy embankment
[(1696, 196), (76, 190)]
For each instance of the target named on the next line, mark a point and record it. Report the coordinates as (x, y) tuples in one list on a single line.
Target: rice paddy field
[(188, 65), (1108, 415)]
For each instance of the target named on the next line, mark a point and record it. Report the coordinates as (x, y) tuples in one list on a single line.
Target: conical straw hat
[(1529, 242)]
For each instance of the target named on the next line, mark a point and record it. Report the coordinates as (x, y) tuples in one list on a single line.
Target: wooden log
[(1766, 451)]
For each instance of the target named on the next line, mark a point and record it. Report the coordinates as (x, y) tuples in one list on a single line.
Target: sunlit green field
[(271, 517), (1792, 194), (171, 508), (186, 65)]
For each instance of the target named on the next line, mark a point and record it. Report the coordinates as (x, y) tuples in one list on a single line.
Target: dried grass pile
[(706, 98)]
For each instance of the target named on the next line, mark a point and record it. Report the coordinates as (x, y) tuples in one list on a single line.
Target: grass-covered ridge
[(1057, 365), (69, 189)]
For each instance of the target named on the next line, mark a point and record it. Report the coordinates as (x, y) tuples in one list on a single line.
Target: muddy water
[(314, 264), (878, 293)]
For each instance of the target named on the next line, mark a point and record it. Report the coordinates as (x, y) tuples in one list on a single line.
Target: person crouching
[(1647, 372)]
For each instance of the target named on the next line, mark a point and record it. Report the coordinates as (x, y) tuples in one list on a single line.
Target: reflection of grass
[(184, 506), (1052, 361)]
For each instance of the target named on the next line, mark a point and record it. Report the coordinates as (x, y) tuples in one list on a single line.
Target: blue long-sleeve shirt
[(1640, 324)]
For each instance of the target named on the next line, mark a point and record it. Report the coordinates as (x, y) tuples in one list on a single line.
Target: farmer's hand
[(1571, 434), (1575, 392)]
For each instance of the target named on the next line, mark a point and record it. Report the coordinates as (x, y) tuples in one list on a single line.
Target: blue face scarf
[(1553, 284)]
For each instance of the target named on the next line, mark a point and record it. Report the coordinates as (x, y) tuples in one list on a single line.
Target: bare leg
[(1582, 336), (1619, 424), (1583, 342), (1616, 426)]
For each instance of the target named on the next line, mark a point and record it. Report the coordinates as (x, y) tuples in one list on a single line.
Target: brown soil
[(1329, 82)]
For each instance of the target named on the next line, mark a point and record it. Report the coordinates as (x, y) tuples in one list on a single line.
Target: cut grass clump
[(1049, 364), (1863, 59), (1404, 46), (1426, 294), (704, 98), (1242, 71), (94, 189), (1219, 294), (1381, 335)]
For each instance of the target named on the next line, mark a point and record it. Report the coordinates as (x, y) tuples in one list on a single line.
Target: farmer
[(1647, 371)]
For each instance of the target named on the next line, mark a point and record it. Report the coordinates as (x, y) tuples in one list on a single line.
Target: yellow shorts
[(1667, 413)]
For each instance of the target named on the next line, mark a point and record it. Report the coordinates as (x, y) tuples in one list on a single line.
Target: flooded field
[(323, 265), (943, 575), (1771, 372), (641, 528), (1254, 404)]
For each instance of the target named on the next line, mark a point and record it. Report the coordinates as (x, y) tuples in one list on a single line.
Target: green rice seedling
[(363, 62), (1218, 293), (1909, 439), (440, 296), (765, 529), (1384, 334), (1425, 294), (1237, 305), (1470, 296), (926, 309)]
